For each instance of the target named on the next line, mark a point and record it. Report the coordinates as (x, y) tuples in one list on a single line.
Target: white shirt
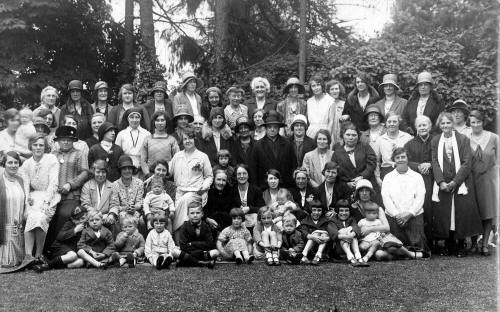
[(403, 192), (385, 145), (194, 103), (131, 142), (421, 105), (388, 104)]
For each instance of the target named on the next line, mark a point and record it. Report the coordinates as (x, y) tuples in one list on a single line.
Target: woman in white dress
[(41, 174), (320, 109)]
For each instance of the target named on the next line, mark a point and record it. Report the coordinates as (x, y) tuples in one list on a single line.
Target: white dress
[(320, 114), (12, 251), (42, 178)]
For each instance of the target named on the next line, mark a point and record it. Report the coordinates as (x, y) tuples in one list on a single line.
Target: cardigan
[(189, 241), (340, 191), (314, 167), (254, 198), (182, 101), (73, 170)]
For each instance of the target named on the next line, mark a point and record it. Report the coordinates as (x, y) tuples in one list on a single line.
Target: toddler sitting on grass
[(293, 243), (96, 243), (129, 244)]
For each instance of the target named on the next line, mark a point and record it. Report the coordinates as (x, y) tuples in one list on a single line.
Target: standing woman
[(337, 91), (460, 112), (258, 124), (375, 120), (321, 112), (359, 99), (455, 215), (127, 97), (73, 172), (12, 201), (8, 135), (102, 96), (160, 145), (213, 98), (81, 110), (48, 100), (292, 105), (107, 150), (484, 145), (159, 101), (260, 87), (132, 137), (391, 102), (41, 173), (182, 118), (419, 160), (314, 161), (215, 138), (187, 96), (97, 120), (356, 160)]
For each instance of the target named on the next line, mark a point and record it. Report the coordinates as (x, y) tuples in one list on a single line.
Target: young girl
[(96, 243), (293, 243), (347, 233), (284, 204), (235, 241), (129, 244), (223, 160), (315, 229), (267, 237), (160, 249), (157, 201)]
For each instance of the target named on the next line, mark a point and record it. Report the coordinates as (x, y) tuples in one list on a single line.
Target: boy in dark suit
[(96, 243)]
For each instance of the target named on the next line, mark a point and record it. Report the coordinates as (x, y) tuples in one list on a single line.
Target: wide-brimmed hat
[(186, 77), (101, 85), (235, 89), (159, 86), (78, 212), (104, 128), (272, 117), (299, 118), (294, 81), (75, 85), (181, 109), (373, 109), (243, 120), (66, 132), (125, 161), (363, 183), (390, 79), (425, 77), (459, 104), (41, 127)]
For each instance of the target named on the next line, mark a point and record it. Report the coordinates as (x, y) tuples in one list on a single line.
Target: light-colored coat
[(313, 165), (90, 196)]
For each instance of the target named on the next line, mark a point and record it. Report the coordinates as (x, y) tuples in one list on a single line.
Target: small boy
[(129, 244), (160, 249), (223, 160), (316, 228), (157, 201), (63, 250), (96, 243), (196, 241), (25, 131), (347, 233), (293, 243)]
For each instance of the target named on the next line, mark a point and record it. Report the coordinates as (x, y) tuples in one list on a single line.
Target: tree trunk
[(147, 26), (221, 33), (128, 51), (302, 40)]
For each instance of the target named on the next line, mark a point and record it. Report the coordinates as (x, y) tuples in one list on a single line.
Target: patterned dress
[(12, 250), (42, 178), (234, 240), (124, 198)]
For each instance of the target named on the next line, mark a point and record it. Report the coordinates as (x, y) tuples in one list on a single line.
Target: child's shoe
[(250, 259), (239, 260), (131, 260), (304, 260), (276, 261), (159, 263), (168, 261), (316, 260), (115, 259), (269, 261)]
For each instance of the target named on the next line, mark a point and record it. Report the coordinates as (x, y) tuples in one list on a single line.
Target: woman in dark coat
[(260, 87), (359, 99), (216, 136), (455, 214), (213, 98), (219, 201), (420, 160), (80, 108), (364, 164), (303, 193), (331, 191)]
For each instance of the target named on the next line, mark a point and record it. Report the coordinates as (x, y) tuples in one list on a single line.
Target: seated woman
[(362, 197), (302, 193), (331, 191), (160, 169), (273, 186), (219, 202)]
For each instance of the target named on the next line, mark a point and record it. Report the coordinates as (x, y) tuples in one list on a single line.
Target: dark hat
[(242, 120), (181, 109), (75, 85), (216, 111), (41, 127), (293, 81), (272, 117), (459, 104), (373, 109), (101, 85), (188, 77), (78, 212), (105, 127), (159, 86), (125, 161), (235, 89), (66, 132)]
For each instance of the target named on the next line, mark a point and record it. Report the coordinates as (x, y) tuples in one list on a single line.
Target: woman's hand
[(110, 219), (403, 217), (443, 186), (330, 214), (79, 227), (424, 168), (30, 201), (245, 209)]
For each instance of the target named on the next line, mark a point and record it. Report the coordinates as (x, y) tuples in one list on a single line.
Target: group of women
[(338, 140)]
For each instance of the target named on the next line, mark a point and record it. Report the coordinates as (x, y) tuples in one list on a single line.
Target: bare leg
[(346, 247), (355, 248), (78, 263), (29, 242), (69, 257), (373, 248), (308, 247), (321, 247), (40, 241), (88, 258), (487, 226)]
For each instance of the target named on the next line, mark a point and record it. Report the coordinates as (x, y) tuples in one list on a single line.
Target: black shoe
[(40, 268), (131, 261), (239, 261), (159, 263), (168, 262), (250, 259), (208, 264)]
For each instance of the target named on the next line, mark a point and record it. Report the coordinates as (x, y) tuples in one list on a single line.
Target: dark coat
[(297, 198), (150, 108), (208, 147), (66, 239), (433, 108), (238, 156), (252, 105), (97, 152), (115, 118), (91, 141), (219, 203), (293, 240), (308, 145), (255, 199), (103, 244), (467, 220), (307, 226), (188, 241), (340, 191), (351, 221), (263, 159), (84, 130), (354, 109)]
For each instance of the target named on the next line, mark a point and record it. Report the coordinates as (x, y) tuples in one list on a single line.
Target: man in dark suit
[(273, 152)]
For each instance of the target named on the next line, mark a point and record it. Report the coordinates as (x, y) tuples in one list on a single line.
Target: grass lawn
[(440, 284)]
